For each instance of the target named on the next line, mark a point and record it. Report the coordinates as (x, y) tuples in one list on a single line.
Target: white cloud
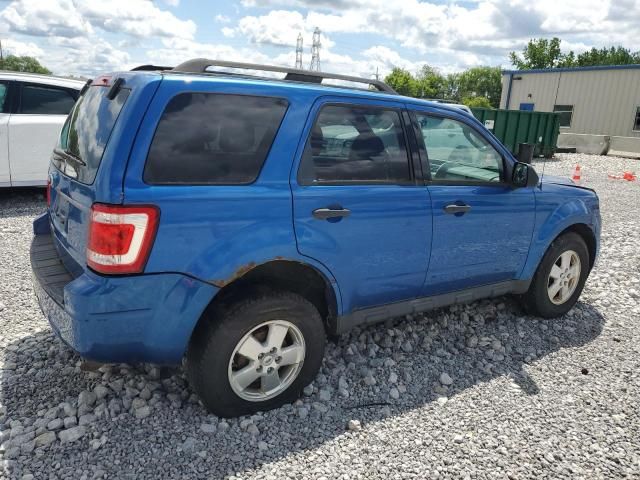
[(140, 18), (228, 32), (15, 47), (44, 18), (67, 18), (482, 30), (222, 18), (280, 28)]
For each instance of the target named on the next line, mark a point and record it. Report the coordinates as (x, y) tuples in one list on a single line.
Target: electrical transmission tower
[(299, 52), (315, 51)]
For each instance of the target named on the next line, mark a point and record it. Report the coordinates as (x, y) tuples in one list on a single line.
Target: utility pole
[(315, 51), (299, 52), (1, 52), (377, 75)]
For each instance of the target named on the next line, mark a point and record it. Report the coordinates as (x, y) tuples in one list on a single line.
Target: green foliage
[(402, 82), (545, 53), (430, 83), (477, 102), (485, 82), (607, 56), (481, 82), (22, 64), (539, 53)]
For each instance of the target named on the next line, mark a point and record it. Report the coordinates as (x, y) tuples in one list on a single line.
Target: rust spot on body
[(237, 274)]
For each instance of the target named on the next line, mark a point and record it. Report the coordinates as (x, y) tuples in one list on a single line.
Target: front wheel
[(256, 354), (560, 277)]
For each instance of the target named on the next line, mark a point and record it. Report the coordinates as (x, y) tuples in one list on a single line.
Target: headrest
[(365, 146)]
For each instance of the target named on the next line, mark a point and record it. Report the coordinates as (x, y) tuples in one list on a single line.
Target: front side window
[(46, 100), (457, 153), (209, 139), (355, 144), (566, 113), (636, 121)]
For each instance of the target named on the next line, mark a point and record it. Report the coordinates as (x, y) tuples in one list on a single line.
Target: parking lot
[(475, 391)]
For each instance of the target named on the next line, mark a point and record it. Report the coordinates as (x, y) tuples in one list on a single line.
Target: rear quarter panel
[(217, 233)]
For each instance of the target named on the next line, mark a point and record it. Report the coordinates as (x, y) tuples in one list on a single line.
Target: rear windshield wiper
[(69, 156)]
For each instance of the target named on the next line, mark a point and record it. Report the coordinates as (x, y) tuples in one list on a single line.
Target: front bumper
[(141, 318)]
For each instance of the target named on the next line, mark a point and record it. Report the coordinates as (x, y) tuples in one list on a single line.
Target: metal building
[(600, 106)]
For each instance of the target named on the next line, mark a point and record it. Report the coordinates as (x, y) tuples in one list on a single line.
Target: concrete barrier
[(625, 147), (584, 143), (601, 144)]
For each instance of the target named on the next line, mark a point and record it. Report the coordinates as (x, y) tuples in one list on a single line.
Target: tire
[(537, 300), (232, 329)]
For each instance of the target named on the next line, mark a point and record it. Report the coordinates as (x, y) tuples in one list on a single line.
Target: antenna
[(299, 52), (315, 51)]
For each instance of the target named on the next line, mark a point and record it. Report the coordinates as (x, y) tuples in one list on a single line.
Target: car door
[(5, 115), (482, 227), (358, 208), (34, 130)]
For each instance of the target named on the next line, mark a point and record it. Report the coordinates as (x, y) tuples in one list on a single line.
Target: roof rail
[(149, 68), (200, 65)]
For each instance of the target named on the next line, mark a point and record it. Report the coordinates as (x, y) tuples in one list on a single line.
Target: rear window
[(86, 132), (213, 139)]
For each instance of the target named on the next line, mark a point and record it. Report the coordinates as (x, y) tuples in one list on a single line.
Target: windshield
[(86, 132)]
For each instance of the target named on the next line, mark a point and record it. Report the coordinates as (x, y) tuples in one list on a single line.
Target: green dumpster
[(513, 127)]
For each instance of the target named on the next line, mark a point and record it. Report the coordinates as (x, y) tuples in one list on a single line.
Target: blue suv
[(237, 220)]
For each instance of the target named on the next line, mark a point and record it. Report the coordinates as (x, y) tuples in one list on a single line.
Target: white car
[(34, 108)]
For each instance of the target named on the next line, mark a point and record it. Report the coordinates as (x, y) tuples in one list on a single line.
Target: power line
[(315, 51), (299, 52)]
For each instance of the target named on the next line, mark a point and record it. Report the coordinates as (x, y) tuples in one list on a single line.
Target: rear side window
[(46, 100), (86, 132), (355, 144), (214, 139), (4, 97)]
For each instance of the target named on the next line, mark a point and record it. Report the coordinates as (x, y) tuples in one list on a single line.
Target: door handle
[(454, 209), (326, 213)]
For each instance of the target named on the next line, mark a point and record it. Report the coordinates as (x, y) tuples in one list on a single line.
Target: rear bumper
[(142, 318)]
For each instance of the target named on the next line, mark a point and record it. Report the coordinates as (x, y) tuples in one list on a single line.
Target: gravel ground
[(477, 391)]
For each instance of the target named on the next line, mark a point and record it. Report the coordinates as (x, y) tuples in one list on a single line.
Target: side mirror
[(523, 175)]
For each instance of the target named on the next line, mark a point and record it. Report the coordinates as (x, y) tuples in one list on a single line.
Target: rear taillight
[(121, 237), (48, 192)]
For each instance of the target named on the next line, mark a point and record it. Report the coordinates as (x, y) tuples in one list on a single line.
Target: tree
[(452, 87), (544, 53), (607, 56), (402, 82), (430, 83), (481, 82), (541, 53), (22, 64), (477, 102)]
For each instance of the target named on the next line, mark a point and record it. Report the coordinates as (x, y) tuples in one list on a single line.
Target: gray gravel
[(477, 391)]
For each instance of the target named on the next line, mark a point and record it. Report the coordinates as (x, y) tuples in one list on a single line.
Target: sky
[(89, 37)]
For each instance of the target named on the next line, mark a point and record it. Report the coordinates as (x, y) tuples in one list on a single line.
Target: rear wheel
[(256, 354), (560, 277)]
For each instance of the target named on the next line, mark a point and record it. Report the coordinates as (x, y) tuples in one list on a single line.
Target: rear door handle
[(326, 213), (454, 209)]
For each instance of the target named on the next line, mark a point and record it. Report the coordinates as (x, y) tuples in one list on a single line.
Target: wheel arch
[(281, 274), (589, 237)]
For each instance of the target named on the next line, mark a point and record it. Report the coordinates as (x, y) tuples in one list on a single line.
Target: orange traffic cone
[(576, 174)]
